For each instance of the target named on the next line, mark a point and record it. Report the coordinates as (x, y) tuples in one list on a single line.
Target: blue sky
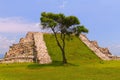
[(101, 17)]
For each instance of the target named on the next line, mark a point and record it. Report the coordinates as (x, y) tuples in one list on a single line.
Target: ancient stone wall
[(103, 50), (40, 47), (32, 48), (103, 53)]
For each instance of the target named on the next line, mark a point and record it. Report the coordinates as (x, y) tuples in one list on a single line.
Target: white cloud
[(62, 6), (115, 49), (17, 24), (14, 25), (4, 44)]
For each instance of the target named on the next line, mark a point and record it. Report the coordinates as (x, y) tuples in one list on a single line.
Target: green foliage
[(80, 29), (65, 25)]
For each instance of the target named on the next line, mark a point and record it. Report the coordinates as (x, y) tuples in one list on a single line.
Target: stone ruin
[(32, 48), (103, 50), (102, 53)]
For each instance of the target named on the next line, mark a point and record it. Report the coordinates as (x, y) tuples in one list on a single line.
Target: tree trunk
[(61, 46), (64, 57), (63, 49)]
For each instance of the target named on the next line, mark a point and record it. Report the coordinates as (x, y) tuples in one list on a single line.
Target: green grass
[(83, 65)]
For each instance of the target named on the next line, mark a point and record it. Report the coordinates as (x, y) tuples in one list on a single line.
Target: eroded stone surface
[(100, 52), (32, 48), (42, 54), (103, 50)]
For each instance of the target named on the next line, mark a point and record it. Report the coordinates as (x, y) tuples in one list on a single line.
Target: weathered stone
[(100, 52), (32, 48), (103, 53), (103, 50), (42, 54)]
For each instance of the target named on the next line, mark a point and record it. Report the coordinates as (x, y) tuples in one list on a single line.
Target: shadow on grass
[(53, 64)]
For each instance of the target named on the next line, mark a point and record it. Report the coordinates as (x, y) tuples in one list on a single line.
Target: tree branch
[(58, 43)]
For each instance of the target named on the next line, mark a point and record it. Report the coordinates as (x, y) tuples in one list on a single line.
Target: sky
[(101, 17)]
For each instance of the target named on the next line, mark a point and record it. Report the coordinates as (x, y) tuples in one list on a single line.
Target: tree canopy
[(64, 25)]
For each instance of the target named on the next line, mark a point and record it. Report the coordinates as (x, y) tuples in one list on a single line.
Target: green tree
[(64, 25)]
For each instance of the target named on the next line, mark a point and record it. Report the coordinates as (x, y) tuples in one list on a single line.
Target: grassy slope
[(76, 51), (83, 65)]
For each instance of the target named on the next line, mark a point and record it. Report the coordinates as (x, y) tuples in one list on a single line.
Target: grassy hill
[(76, 50), (83, 65)]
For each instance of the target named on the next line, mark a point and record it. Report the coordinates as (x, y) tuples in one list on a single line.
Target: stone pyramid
[(32, 48)]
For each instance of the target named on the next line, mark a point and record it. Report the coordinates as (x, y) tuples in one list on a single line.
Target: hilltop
[(34, 48)]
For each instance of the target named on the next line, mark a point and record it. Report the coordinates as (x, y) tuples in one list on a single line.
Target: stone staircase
[(102, 53), (42, 53), (32, 48)]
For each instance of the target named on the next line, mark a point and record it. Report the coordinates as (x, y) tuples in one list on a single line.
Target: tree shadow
[(53, 64)]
